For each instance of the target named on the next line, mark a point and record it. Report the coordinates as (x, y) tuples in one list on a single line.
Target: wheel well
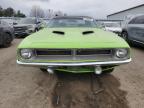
[(124, 31)]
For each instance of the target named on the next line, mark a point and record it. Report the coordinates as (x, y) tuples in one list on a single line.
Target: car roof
[(131, 17)]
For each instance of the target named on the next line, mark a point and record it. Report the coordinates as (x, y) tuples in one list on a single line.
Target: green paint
[(74, 39)]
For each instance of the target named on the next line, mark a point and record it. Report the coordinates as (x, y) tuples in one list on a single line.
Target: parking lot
[(28, 87)]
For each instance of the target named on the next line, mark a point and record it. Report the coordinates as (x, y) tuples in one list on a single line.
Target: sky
[(95, 8)]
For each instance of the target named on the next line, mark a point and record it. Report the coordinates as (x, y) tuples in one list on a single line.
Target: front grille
[(18, 29), (52, 52), (93, 52), (73, 54)]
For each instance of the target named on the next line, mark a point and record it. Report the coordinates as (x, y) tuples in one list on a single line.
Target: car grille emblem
[(74, 54)]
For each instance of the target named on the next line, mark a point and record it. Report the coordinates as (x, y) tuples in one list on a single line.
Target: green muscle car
[(73, 44)]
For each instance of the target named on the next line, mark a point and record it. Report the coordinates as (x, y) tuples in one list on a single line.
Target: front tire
[(36, 30), (125, 35), (126, 38), (43, 70), (108, 71), (7, 40)]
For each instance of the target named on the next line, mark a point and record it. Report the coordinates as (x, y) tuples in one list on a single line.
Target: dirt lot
[(28, 87)]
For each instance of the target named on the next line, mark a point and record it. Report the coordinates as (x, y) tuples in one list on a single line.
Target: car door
[(136, 29)]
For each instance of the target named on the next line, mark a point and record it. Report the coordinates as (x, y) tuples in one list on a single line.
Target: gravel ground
[(28, 87)]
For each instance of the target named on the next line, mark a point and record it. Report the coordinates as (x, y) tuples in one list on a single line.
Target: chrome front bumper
[(77, 64)]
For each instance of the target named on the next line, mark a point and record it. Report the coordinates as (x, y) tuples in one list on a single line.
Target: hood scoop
[(87, 32), (59, 32)]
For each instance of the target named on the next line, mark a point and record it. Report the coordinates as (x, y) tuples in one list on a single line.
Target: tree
[(9, 12), (19, 14), (58, 13), (49, 13), (36, 11), (1, 11)]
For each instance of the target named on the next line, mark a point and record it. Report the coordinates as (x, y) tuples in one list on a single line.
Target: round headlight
[(121, 53), (26, 53)]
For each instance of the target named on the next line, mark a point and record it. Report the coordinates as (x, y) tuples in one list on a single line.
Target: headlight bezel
[(31, 27), (122, 53), (28, 53)]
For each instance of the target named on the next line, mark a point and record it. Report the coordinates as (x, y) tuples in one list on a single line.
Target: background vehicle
[(133, 31), (112, 27), (6, 33), (26, 26), (10, 21)]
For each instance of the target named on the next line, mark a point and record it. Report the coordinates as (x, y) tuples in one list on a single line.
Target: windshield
[(112, 25), (27, 21), (72, 22)]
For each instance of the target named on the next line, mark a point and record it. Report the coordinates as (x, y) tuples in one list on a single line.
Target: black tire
[(125, 35), (7, 40), (36, 30), (43, 70), (126, 38), (19, 36), (108, 71)]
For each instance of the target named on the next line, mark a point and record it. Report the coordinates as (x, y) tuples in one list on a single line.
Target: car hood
[(23, 25), (73, 38)]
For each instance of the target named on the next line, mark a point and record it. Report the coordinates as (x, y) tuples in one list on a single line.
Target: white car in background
[(27, 26), (112, 27)]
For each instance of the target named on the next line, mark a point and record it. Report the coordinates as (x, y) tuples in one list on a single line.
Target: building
[(128, 12)]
